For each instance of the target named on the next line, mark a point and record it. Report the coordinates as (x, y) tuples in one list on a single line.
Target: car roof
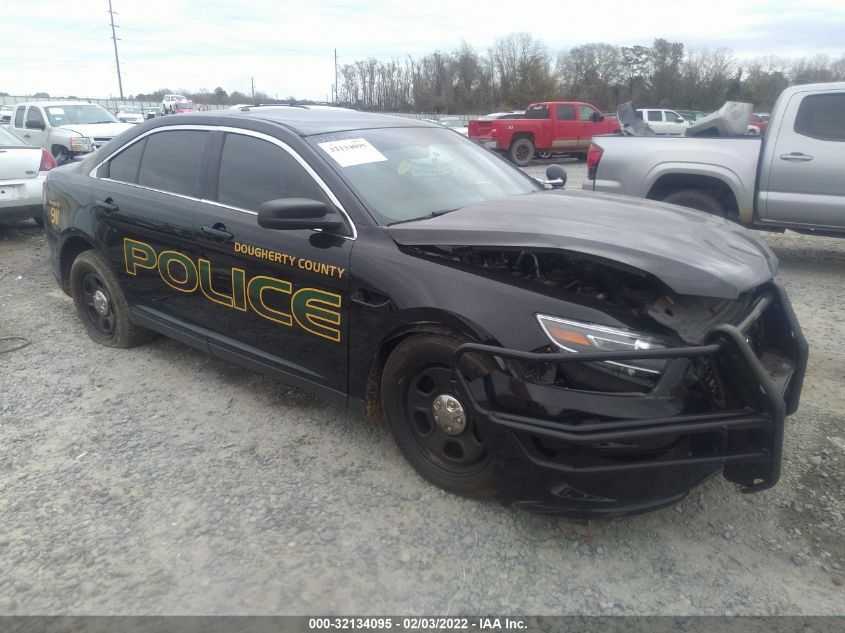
[(307, 121)]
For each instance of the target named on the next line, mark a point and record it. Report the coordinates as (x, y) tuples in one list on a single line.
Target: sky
[(65, 48)]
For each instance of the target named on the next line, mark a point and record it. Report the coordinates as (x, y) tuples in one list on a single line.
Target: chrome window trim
[(231, 130)]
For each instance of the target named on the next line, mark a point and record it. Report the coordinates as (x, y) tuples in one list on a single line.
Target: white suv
[(168, 101), (664, 121)]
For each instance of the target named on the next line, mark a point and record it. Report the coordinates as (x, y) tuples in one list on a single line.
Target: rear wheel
[(522, 151), (433, 428), (100, 303), (696, 199)]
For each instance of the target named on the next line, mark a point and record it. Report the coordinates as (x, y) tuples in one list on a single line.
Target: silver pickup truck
[(793, 177)]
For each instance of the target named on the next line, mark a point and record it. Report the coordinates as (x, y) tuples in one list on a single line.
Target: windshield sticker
[(352, 151)]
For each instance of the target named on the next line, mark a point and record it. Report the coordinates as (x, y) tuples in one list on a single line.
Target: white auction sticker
[(55, 110), (353, 151)]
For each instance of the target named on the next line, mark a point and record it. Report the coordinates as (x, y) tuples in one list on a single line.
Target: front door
[(280, 298), (587, 127), (806, 180)]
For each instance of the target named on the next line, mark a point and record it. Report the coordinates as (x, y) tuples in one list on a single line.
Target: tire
[(90, 274), (60, 153), (522, 151), (696, 199), (416, 373)]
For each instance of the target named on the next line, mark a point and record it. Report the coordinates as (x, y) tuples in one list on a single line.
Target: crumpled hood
[(100, 130), (692, 252)]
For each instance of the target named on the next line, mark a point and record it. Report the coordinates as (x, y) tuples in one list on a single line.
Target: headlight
[(574, 336), (80, 144)]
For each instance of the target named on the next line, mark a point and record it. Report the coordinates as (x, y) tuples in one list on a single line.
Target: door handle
[(796, 157), (26, 136), (216, 232), (107, 205)]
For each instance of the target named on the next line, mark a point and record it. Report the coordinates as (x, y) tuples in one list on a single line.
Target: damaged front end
[(622, 418)]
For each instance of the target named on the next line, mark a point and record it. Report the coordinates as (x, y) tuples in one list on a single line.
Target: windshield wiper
[(433, 214)]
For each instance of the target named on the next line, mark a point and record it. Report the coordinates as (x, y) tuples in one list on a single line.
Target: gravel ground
[(158, 480)]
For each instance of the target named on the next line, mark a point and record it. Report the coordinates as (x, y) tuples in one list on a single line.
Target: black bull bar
[(760, 460)]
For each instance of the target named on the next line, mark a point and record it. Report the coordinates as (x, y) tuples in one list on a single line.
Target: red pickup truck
[(561, 127)]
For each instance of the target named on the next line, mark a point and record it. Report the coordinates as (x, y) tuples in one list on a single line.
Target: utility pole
[(116, 58), (335, 74), (252, 83)]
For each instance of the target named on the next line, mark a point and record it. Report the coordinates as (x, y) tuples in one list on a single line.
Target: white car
[(664, 121), (169, 101), (23, 169), (130, 114), (454, 123)]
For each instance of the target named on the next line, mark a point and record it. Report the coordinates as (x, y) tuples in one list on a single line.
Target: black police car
[(571, 352)]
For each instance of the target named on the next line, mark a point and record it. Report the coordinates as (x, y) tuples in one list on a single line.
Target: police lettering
[(314, 311)]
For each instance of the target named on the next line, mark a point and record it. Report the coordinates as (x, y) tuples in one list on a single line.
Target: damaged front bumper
[(557, 449)]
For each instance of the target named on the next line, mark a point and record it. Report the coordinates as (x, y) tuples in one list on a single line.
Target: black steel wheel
[(100, 303), (432, 427)]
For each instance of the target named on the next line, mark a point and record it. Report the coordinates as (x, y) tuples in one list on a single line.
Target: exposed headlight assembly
[(574, 336), (80, 144)]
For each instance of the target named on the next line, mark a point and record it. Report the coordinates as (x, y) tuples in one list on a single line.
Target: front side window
[(565, 113), (253, 171), (172, 161), (822, 117), (33, 115), (585, 113), (655, 115), (410, 173), (671, 117)]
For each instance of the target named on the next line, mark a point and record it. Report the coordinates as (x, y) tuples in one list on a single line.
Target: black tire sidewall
[(406, 360), (515, 148), (126, 333), (694, 199)]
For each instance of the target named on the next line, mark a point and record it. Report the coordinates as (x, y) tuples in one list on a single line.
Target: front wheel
[(60, 153), (433, 428), (522, 151), (100, 303)]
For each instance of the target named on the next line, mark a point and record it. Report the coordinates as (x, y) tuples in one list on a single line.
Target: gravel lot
[(159, 480)]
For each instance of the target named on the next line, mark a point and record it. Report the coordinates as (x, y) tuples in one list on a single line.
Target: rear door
[(566, 127), (145, 200), (806, 180), (273, 298), (36, 137)]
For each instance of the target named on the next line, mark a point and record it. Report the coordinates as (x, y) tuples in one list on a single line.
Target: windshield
[(451, 122), (410, 173), (7, 138), (79, 114)]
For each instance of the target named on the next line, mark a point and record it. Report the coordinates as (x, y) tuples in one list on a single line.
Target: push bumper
[(583, 453)]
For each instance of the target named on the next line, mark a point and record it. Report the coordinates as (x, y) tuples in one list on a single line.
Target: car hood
[(100, 130), (691, 252)]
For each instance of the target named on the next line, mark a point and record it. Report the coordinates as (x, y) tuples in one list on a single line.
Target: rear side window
[(125, 166), (565, 112), (172, 161), (822, 117), (19, 117), (655, 115), (537, 112), (253, 171)]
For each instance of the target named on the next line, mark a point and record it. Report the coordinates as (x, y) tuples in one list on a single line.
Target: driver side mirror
[(35, 125), (298, 213), (556, 176), (598, 117)]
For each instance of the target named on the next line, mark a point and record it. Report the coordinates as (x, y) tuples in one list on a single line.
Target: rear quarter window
[(822, 117), (172, 161)]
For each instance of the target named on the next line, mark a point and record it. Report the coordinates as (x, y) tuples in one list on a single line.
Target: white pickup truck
[(794, 177), (66, 128)]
